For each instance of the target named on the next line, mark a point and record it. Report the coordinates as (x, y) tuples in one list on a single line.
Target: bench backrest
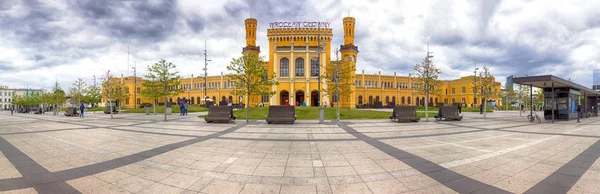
[(282, 112), (220, 111), (71, 110), (405, 111), (449, 110)]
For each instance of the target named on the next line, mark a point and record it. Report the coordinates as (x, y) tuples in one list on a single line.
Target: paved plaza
[(135, 153)]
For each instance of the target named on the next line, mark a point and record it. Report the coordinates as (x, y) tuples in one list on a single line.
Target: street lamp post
[(206, 60), (475, 88)]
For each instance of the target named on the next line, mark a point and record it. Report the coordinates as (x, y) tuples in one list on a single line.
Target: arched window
[(198, 100), (403, 100), (394, 99), (360, 99), (284, 67), (299, 66), (417, 101), (387, 99), (370, 99), (409, 102), (377, 99), (314, 67)]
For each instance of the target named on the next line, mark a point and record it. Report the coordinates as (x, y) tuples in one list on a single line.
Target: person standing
[(578, 113), (185, 107), (12, 109), (459, 108), (81, 109), (181, 109), (481, 108)]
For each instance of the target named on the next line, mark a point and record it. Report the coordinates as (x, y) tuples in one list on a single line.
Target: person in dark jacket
[(481, 108), (81, 109), (12, 109), (578, 113), (181, 109), (459, 108)]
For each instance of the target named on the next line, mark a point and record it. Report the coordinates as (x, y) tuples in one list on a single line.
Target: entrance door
[(314, 95), (284, 96), (300, 97)]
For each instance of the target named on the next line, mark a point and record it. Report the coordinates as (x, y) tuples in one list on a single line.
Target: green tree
[(151, 91), (487, 83), (165, 78), (522, 95), (108, 90), (251, 77), (78, 91), (339, 80), (427, 75), (93, 95), (120, 92)]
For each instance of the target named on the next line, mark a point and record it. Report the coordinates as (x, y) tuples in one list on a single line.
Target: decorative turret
[(349, 30), (251, 48)]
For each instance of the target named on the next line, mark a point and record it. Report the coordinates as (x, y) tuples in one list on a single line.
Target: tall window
[(453, 91), (299, 67), (284, 67), (265, 98), (314, 67), (464, 89)]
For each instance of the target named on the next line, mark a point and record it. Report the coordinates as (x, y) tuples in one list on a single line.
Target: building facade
[(298, 53), (7, 94), (596, 79)]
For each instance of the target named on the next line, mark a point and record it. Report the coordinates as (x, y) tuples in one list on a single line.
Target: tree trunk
[(154, 105), (426, 106), (165, 97), (248, 107), (111, 110), (484, 107)]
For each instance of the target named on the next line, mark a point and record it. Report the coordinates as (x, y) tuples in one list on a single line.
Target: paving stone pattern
[(136, 153)]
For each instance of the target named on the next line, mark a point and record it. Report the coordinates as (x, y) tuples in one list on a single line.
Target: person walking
[(181, 109), (459, 108), (578, 113), (185, 107), (481, 108), (81, 109), (12, 109)]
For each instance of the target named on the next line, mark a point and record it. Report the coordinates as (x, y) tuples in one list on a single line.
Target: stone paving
[(135, 153)]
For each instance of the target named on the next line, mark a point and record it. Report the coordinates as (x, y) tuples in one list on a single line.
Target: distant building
[(7, 94), (509, 82), (596, 84)]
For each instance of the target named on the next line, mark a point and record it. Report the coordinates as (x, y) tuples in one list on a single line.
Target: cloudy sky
[(47, 40)]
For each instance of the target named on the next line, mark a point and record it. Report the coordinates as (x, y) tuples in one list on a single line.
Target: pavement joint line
[(71, 143), (100, 167), (583, 161), (500, 152), (458, 145), (447, 177), (34, 175)]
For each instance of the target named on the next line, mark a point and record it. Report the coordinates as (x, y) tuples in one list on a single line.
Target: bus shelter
[(561, 97)]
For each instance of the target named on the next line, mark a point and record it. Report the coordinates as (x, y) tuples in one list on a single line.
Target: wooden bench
[(448, 113), (405, 114), (281, 115), (71, 111), (221, 114), (114, 110)]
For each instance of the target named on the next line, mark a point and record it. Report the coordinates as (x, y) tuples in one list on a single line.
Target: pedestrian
[(185, 107), (181, 109), (460, 108), (522, 108), (12, 108), (81, 109), (578, 113), (481, 108)]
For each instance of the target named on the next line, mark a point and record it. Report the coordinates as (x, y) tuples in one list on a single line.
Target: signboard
[(275, 25)]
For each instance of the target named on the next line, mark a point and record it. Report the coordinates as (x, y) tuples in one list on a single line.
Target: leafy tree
[(120, 92), (427, 75), (151, 91), (488, 83), (93, 95), (339, 80), (522, 94), (78, 91), (108, 90), (251, 77), (164, 79), (58, 97)]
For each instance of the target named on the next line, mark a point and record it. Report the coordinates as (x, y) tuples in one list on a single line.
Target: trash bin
[(147, 110)]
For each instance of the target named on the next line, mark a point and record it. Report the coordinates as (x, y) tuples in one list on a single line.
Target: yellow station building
[(294, 59)]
